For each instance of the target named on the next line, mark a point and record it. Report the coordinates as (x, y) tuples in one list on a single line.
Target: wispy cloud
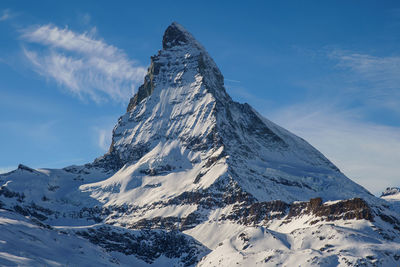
[(367, 153), (376, 78), (231, 80), (6, 14), (82, 64)]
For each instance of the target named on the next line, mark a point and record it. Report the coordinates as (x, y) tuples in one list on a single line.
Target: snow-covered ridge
[(392, 196), (391, 191), (188, 163)]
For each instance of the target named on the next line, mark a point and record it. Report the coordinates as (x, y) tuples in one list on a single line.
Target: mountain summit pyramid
[(182, 123), (195, 178)]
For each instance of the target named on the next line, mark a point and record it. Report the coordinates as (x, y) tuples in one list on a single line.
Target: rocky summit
[(193, 178)]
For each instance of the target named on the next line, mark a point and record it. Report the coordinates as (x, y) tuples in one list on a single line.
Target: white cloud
[(82, 64), (367, 153)]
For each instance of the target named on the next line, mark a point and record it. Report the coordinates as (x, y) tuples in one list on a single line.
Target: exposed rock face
[(349, 209), (261, 213), (188, 163), (175, 35), (147, 88), (147, 245)]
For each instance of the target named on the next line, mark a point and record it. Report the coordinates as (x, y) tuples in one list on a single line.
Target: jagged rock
[(147, 245), (25, 168)]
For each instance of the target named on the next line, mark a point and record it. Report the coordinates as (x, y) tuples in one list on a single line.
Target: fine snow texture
[(194, 178)]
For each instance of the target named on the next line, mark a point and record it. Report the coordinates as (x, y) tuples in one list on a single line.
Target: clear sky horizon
[(327, 71)]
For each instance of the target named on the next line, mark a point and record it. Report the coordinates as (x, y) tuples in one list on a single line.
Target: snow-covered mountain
[(194, 178), (391, 193)]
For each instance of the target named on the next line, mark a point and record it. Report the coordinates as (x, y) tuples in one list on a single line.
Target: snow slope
[(25, 243)]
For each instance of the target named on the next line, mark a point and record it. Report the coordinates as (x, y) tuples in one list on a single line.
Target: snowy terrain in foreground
[(194, 178)]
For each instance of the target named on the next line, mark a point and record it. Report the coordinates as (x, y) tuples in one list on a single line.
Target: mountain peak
[(182, 55), (177, 35), (182, 118)]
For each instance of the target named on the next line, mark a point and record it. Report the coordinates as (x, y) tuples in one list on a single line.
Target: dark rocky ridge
[(147, 88), (147, 245), (263, 212), (174, 36)]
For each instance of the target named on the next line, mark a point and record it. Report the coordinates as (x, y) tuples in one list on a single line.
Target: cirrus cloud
[(377, 78), (85, 66)]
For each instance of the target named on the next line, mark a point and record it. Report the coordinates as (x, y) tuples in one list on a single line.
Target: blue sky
[(328, 71)]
